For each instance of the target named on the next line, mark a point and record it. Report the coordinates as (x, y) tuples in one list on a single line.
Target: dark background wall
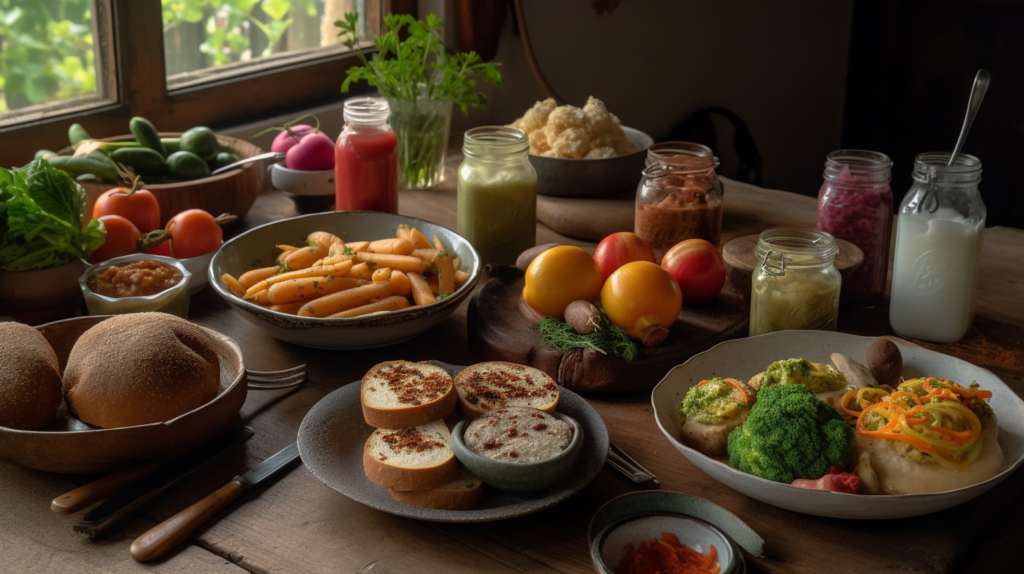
[(910, 71)]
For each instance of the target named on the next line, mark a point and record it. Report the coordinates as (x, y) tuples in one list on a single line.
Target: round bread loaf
[(140, 368), (30, 386)]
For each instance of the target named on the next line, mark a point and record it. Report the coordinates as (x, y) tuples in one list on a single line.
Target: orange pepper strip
[(957, 437), (734, 383), (845, 402)]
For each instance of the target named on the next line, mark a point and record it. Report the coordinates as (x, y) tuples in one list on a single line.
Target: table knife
[(133, 497), (165, 536)]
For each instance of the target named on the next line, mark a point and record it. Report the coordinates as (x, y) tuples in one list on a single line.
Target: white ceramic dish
[(743, 358), (199, 267), (173, 300), (609, 545), (302, 182), (255, 248)]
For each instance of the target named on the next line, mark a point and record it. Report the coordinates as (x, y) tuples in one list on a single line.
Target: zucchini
[(145, 133), (85, 165), (186, 165), (142, 159)]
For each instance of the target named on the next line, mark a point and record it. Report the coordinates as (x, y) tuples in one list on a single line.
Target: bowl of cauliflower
[(582, 152)]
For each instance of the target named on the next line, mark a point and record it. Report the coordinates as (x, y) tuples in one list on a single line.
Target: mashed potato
[(569, 132)]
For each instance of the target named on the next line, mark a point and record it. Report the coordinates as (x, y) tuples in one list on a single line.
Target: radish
[(314, 152), (289, 137)]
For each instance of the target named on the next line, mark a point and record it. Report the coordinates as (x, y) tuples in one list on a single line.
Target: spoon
[(981, 81), (272, 155)]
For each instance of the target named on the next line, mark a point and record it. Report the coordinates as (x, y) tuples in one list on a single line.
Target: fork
[(273, 380)]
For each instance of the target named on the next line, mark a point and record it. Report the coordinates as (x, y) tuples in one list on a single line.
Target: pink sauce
[(853, 210)]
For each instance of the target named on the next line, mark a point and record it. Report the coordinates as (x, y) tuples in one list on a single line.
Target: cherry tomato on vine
[(122, 239), (140, 207), (194, 232)]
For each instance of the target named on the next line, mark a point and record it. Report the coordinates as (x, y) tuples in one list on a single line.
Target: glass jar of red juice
[(366, 159), (855, 204)]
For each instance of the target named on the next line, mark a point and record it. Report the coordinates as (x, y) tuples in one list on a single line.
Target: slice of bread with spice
[(487, 386), (401, 394), (464, 493), (418, 458)]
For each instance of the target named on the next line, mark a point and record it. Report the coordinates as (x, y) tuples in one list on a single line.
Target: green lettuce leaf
[(41, 212)]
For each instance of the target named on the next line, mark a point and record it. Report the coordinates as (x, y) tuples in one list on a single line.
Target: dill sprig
[(560, 336)]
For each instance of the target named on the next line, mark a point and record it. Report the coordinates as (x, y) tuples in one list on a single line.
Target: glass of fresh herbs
[(421, 81)]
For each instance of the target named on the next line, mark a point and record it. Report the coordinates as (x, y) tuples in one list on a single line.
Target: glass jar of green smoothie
[(497, 193)]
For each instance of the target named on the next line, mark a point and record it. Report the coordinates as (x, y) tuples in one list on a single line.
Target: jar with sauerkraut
[(795, 284), (679, 197), (855, 204)]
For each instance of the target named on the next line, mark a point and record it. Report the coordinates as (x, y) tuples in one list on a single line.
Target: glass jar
[(855, 204), (366, 159), (497, 193), (422, 125), (938, 244), (679, 196), (795, 284)]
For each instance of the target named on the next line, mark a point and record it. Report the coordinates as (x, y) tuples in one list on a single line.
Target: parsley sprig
[(418, 66)]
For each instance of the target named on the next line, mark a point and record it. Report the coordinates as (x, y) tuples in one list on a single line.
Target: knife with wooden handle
[(86, 495), (167, 535)]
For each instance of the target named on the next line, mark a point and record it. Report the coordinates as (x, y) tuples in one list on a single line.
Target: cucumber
[(186, 165), (145, 133), (224, 158), (142, 159), (76, 133), (172, 145), (83, 165), (200, 141)]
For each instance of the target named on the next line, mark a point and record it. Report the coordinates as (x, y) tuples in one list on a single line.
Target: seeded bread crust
[(487, 386), (417, 458), (464, 493), (401, 394)]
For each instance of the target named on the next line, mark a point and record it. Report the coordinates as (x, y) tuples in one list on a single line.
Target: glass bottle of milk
[(938, 244)]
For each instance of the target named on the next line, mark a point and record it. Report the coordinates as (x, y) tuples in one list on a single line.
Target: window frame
[(141, 88)]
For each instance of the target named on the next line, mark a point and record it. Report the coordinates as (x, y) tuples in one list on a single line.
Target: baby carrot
[(347, 299), (392, 303)]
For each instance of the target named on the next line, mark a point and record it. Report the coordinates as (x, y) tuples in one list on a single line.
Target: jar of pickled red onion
[(855, 204)]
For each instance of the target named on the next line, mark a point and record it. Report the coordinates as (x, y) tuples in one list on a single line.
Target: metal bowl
[(67, 445), (592, 177), (255, 248)]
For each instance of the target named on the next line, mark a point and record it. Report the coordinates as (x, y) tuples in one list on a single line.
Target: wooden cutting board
[(498, 332), (590, 218)]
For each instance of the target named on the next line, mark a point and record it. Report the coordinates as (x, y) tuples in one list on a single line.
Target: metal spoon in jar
[(981, 81)]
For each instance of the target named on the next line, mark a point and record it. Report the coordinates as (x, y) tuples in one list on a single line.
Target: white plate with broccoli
[(743, 358)]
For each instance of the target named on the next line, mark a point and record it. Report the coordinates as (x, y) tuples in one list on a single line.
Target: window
[(50, 59), (179, 63)]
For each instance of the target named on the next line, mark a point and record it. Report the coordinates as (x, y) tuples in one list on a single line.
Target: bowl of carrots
[(346, 280)]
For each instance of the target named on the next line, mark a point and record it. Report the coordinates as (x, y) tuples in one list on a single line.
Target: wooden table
[(297, 524)]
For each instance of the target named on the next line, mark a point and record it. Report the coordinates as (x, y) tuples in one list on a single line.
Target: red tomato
[(121, 239), (194, 232), (698, 267), (619, 249), (141, 207), (162, 248)]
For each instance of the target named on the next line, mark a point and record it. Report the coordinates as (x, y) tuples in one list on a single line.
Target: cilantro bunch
[(418, 66)]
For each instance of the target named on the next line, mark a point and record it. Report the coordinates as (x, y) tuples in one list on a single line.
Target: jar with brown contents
[(135, 279), (679, 197)]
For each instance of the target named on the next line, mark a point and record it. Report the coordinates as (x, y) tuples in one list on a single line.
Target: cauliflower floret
[(566, 117), (603, 152), (539, 143), (536, 117), (625, 147), (573, 143)]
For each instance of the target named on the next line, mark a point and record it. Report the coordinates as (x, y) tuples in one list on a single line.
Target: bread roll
[(418, 458), (464, 493), (487, 386), (140, 368), (30, 386)]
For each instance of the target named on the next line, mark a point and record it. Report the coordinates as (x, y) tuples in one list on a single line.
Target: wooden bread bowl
[(67, 445)]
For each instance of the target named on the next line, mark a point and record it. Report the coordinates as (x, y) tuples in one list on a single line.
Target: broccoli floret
[(789, 434)]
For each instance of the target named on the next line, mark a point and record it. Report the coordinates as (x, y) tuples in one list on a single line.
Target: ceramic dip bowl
[(516, 476), (173, 300)]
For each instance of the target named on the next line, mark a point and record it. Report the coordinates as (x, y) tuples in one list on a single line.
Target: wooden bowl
[(42, 295), (67, 445), (231, 192)]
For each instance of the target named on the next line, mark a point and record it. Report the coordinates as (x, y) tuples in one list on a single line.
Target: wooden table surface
[(297, 524)]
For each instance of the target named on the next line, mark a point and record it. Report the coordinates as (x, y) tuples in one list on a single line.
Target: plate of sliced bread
[(385, 441)]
